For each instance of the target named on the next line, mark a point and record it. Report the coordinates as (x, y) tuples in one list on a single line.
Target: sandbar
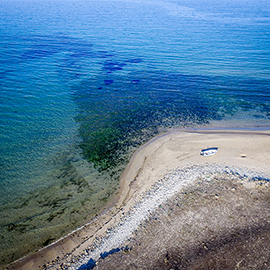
[(165, 157)]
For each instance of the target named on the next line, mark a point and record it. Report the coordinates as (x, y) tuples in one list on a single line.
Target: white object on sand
[(209, 151)]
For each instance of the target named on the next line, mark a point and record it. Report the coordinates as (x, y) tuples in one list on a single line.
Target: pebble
[(155, 198)]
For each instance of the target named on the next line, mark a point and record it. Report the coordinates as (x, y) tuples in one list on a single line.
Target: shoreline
[(148, 165)]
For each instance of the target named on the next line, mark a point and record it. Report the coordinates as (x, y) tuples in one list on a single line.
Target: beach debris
[(209, 151)]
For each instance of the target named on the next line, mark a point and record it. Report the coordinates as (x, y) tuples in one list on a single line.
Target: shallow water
[(83, 85)]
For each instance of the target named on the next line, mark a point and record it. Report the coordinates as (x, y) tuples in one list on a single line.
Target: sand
[(158, 171)]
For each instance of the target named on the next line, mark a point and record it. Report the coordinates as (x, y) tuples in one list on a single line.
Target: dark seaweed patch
[(38, 53), (100, 148), (163, 100), (45, 46), (48, 241), (110, 66), (120, 119), (108, 82), (53, 202), (104, 54), (56, 214), (135, 60)]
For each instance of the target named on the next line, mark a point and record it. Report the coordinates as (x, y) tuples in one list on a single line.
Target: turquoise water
[(85, 83)]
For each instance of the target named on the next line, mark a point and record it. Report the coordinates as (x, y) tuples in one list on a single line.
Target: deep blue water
[(85, 83)]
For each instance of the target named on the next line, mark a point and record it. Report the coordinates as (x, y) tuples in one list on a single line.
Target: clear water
[(85, 83)]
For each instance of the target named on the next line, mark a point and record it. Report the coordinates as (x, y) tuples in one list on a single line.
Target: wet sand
[(165, 167)]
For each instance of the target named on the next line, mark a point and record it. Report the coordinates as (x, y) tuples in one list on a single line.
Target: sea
[(84, 83)]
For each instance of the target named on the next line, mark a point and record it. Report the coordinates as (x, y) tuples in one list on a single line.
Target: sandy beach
[(169, 171)]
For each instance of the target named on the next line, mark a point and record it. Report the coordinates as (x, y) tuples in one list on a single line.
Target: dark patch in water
[(135, 60), (45, 46), (104, 54), (108, 82), (129, 115), (110, 66), (38, 53), (124, 116), (48, 241)]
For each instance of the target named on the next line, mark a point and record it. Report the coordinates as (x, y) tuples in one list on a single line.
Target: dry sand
[(172, 163)]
